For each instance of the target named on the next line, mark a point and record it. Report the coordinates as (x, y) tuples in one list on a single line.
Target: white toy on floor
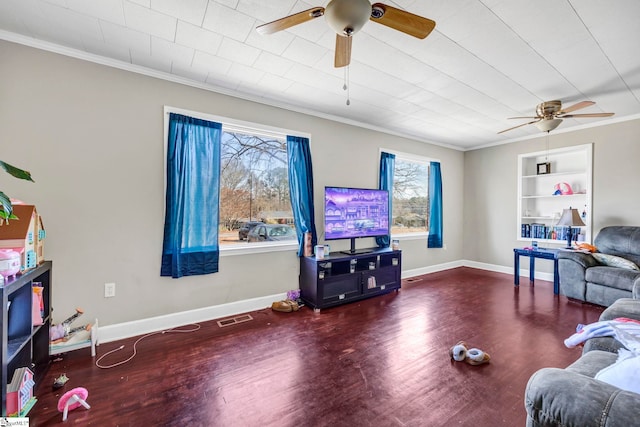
[(473, 356)]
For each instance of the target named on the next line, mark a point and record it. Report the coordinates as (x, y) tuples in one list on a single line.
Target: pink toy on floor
[(71, 400)]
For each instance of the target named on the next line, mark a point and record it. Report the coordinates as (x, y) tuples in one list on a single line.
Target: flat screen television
[(352, 213)]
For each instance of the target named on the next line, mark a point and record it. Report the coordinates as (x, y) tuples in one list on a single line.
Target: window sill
[(410, 236), (256, 248)]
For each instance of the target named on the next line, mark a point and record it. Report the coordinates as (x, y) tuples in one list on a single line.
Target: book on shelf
[(542, 231)]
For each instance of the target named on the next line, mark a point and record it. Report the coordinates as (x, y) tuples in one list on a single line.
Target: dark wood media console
[(341, 278)]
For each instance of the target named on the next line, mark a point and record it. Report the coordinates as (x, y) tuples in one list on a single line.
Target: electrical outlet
[(444, 246), (109, 290)]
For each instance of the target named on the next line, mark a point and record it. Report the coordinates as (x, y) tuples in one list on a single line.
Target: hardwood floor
[(379, 362)]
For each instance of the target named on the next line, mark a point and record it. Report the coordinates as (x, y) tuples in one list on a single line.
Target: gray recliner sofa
[(583, 278), (573, 397)]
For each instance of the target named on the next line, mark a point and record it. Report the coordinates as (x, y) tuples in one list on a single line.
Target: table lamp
[(570, 218)]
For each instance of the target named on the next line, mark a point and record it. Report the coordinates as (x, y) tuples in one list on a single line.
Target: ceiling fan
[(549, 115), (347, 17)]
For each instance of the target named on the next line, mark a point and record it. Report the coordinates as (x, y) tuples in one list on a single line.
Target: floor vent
[(234, 320)]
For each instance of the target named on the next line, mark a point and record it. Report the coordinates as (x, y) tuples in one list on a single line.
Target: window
[(254, 188), (254, 185), (410, 214)]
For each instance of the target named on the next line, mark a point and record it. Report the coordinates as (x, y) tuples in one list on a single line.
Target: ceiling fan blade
[(290, 21), (516, 127), (528, 117), (403, 21), (575, 107), (343, 51), (566, 116)]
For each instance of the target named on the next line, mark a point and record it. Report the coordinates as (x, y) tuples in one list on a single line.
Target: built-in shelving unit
[(539, 208)]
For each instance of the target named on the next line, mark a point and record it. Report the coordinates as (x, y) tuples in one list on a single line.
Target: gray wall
[(92, 136), (490, 187)]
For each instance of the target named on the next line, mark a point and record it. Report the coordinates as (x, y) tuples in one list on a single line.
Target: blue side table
[(551, 254)]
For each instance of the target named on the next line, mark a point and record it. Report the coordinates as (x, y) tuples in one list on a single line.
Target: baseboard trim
[(152, 324), (431, 269), (144, 326)]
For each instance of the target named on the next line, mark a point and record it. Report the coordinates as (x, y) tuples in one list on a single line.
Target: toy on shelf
[(71, 400)]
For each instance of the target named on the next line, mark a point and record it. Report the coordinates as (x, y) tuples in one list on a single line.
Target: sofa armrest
[(572, 268), (557, 397)]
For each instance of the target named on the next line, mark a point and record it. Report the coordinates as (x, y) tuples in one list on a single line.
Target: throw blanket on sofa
[(625, 330)]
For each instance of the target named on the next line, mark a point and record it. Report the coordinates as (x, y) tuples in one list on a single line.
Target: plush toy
[(473, 356), (562, 189)]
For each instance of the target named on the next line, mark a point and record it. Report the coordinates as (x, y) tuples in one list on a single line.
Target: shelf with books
[(542, 197)]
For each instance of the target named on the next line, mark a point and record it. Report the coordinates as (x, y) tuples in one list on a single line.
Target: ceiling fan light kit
[(547, 125), (347, 17)]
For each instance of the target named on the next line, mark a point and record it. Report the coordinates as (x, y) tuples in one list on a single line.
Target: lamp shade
[(571, 217)]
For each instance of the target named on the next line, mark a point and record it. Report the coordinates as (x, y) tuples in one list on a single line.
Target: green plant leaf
[(5, 204), (5, 217), (16, 172)]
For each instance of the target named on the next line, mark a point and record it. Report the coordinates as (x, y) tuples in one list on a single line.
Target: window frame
[(234, 125), (416, 158)]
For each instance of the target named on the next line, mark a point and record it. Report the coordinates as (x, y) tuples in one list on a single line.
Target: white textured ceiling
[(485, 61)]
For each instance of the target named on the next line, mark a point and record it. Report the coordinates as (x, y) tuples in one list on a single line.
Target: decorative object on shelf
[(570, 218), (9, 262), (562, 189), (24, 236), (543, 168), (20, 398), (71, 400)]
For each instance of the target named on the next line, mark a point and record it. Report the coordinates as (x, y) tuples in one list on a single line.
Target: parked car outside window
[(246, 227), (271, 233)]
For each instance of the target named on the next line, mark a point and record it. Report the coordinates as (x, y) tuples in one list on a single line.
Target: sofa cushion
[(612, 277), (615, 261)]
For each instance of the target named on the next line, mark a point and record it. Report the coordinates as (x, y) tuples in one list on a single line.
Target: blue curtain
[(385, 182), (435, 204), (190, 245), (301, 189)]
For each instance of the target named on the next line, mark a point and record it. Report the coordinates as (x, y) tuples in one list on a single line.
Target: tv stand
[(341, 278)]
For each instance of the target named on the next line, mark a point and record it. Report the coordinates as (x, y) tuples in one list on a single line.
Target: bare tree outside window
[(254, 188), (410, 197)]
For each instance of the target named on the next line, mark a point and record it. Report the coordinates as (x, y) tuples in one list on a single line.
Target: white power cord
[(194, 328)]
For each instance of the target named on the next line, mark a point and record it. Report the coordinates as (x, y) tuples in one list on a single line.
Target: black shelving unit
[(24, 344), (341, 278)]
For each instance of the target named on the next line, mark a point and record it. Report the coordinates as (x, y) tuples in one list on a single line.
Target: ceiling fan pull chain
[(347, 84)]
